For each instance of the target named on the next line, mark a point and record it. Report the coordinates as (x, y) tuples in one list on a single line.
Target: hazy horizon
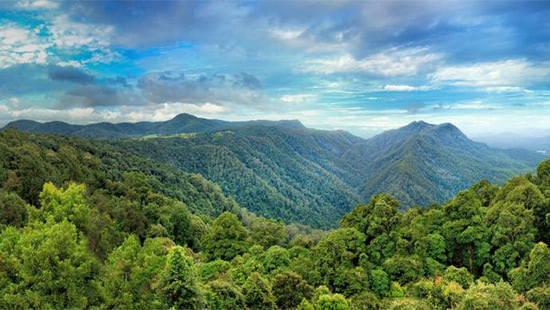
[(364, 67)]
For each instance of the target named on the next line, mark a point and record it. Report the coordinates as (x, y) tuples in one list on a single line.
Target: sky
[(364, 66)]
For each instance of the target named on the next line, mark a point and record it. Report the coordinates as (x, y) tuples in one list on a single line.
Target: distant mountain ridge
[(181, 123), (286, 171), (423, 163)]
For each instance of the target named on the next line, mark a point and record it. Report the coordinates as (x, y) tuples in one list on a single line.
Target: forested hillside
[(295, 175), (282, 170), (320, 175), (81, 228), (182, 123), (423, 163)]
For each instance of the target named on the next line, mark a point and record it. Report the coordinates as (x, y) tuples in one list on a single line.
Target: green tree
[(222, 294), (459, 275), (289, 289), (404, 269), (534, 273), (226, 239), (332, 302), (465, 231), (339, 250), (49, 267), (408, 304), (275, 259), (13, 210), (178, 286), (543, 173), (268, 233), (380, 282), (258, 293), (131, 271), (540, 296), (213, 270), (490, 297), (512, 234)]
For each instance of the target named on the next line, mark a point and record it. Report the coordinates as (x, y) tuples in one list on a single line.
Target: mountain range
[(286, 171), (182, 123)]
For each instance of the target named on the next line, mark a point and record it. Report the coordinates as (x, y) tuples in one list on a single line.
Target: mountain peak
[(449, 130), (416, 126), (183, 117)]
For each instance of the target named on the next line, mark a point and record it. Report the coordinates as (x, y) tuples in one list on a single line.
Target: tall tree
[(178, 285), (226, 239)]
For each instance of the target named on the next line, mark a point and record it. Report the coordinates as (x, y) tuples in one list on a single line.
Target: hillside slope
[(285, 171), (423, 163), (182, 123), (27, 161)]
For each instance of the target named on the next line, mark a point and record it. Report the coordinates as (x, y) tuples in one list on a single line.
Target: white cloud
[(507, 89), (392, 62), (20, 45), (79, 115), (403, 87), (503, 75), (298, 98), (285, 34), (68, 34), (475, 105), (37, 4)]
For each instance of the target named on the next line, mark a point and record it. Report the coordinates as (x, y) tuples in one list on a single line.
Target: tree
[(520, 190), (289, 289), (404, 269), (512, 234), (534, 273), (332, 302), (50, 267), (178, 285), (213, 270), (489, 297), (377, 221), (540, 296), (226, 239), (408, 304), (459, 275), (338, 250), (13, 210), (380, 282), (222, 294), (543, 173), (258, 293), (130, 272), (268, 233), (275, 259), (465, 231)]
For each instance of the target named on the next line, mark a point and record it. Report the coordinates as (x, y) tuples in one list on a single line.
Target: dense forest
[(85, 224), (285, 171)]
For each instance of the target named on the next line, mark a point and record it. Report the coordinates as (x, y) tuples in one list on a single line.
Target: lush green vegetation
[(183, 123), (275, 172), (86, 225), (315, 177), (285, 171)]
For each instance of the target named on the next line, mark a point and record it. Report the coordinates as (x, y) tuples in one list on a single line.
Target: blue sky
[(362, 66)]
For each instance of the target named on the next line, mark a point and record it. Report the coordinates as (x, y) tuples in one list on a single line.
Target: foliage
[(178, 286), (226, 239), (94, 233)]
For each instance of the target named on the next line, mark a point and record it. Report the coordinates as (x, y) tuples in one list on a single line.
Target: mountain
[(285, 171), (423, 163), (28, 161), (315, 176), (182, 123)]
